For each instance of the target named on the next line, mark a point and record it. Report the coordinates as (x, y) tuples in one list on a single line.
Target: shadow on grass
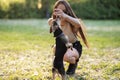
[(80, 77), (76, 77)]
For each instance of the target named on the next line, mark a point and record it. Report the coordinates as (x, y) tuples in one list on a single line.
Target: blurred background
[(26, 44), (86, 9)]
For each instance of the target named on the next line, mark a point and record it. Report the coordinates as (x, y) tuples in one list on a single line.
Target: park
[(26, 44)]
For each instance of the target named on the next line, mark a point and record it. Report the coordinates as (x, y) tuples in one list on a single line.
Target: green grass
[(26, 53)]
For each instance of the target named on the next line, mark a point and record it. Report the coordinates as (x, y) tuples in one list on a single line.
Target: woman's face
[(62, 7)]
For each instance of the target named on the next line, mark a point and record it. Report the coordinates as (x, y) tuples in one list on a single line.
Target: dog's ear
[(54, 26), (50, 29)]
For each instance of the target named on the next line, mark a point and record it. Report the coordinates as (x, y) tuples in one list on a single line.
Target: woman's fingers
[(57, 14)]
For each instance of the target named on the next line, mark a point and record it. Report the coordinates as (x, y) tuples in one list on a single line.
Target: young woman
[(71, 27)]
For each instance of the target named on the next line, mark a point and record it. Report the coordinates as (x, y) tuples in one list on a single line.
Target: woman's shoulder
[(50, 21)]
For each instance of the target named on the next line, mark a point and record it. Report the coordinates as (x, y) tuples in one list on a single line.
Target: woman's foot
[(71, 69)]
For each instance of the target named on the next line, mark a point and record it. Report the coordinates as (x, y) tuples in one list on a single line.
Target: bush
[(97, 9), (87, 9)]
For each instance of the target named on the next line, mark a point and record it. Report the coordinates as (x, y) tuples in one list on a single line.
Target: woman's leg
[(72, 67)]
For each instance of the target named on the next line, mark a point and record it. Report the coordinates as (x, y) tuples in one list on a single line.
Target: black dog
[(62, 43)]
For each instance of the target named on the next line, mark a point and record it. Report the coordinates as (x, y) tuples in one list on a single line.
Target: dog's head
[(54, 26)]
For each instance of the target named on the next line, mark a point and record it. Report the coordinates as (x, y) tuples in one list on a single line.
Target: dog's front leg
[(64, 77)]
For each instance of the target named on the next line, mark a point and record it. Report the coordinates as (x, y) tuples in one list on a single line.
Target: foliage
[(97, 9), (88, 9)]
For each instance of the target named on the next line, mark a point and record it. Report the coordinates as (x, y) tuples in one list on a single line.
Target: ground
[(26, 53)]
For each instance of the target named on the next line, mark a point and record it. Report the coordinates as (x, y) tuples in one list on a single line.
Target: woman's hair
[(80, 33)]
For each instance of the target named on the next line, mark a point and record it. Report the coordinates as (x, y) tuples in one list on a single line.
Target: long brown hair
[(81, 33)]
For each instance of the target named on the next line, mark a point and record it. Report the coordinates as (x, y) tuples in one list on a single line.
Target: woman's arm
[(74, 21)]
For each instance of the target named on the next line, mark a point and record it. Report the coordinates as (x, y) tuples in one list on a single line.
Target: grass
[(25, 51)]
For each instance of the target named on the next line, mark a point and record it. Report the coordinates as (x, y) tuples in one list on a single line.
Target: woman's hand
[(59, 13)]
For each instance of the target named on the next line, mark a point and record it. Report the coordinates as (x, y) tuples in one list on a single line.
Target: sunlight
[(5, 4), (39, 4)]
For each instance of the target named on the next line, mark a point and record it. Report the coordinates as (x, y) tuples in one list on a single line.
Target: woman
[(71, 27)]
